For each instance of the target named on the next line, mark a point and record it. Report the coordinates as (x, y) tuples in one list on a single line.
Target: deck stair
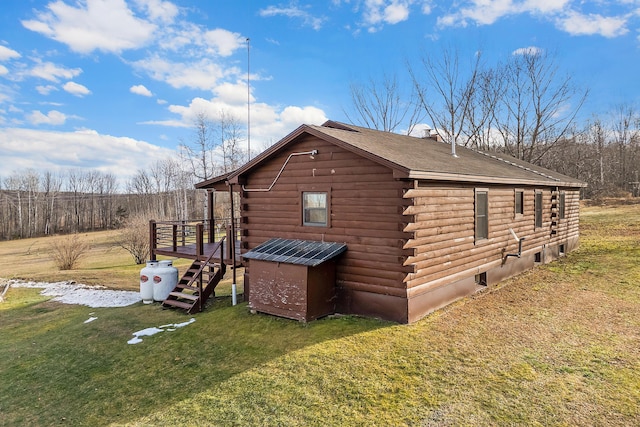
[(197, 284)]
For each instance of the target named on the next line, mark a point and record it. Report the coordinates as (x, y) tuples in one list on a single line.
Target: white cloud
[(60, 151), (191, 40), (223, 42), (140, 90), (76, 89), (565, 14), (53, 117), (293, 11), (203, 74), (530, 51), (578, 24), (268, 123), (6, 53), (3, 70), (46, 90), (105, 25), (159, 10), (233, 93), (396, 12), (52, 72), (377, 13)]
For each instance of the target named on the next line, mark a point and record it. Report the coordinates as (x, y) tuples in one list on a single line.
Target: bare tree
[(230, 132), (446, 91), (625, 131), (134, 238), (200, 152), (383, 105), (51, 186), (539, 106), (66, 251)]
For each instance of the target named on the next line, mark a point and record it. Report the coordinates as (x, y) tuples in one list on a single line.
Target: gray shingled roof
[(418, 158), (430, 159)]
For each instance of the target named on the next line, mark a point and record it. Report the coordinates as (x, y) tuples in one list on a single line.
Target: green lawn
[(557, 345)]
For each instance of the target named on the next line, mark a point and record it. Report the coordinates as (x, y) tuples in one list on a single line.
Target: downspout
[(232, 245)]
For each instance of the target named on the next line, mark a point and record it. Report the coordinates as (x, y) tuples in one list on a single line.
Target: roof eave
[(439, 176)]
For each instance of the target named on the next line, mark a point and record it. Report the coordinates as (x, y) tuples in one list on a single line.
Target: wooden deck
[(190, 252), (194, 240)]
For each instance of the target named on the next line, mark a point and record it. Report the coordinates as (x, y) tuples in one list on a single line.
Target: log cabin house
[(416, 227)]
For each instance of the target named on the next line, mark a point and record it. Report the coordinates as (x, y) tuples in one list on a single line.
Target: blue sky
[(115, 84)]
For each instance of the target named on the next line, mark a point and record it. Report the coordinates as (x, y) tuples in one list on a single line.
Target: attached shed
[(422, 227), (294, 278)]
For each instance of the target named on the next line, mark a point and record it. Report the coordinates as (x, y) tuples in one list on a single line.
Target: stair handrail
[(198, 274)]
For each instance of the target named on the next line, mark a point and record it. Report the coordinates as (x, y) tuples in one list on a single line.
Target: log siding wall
[(443, 242), (411, 244), (366, 212)]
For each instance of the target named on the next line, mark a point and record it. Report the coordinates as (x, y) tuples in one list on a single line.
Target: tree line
[(34, 203), (523, 106)]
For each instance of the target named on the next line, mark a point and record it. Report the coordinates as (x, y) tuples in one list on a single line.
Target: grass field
[(557, 345)]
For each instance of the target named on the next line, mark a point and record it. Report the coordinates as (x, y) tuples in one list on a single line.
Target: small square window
[(314, 209)]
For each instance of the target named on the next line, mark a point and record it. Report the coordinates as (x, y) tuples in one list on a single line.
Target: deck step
[(176, 303), (188, 294), (183, 295)]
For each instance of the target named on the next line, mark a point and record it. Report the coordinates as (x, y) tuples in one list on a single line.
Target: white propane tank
[(146, 281), (165, 278)]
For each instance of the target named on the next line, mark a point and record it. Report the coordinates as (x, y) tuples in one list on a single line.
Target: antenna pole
[(248, 99)]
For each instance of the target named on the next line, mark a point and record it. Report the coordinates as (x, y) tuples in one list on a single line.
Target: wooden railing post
[(212, 228), (174, 237), (153, 240), (199, 240), (228, 246)]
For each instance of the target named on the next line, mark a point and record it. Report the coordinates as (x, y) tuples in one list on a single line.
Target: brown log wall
[(366, 208), (443, 229)]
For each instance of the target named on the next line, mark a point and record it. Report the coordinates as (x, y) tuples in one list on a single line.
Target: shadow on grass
[(55, 368)]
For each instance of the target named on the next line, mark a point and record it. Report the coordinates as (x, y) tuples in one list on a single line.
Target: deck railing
[(173, 235)]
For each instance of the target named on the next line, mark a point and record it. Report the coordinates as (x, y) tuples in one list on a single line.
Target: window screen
[(482, 215), (561, 206), (314, 206), (538, 208), (519, 202)]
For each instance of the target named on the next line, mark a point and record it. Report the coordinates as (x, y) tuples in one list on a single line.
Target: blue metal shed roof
[(301, 252)]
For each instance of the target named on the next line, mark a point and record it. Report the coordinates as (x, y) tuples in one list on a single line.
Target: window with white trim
[(315, 210)]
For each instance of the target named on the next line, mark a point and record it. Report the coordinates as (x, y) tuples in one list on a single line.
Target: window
[(314, 209), (481, 279), (538, 209), (482, 214), (561, 206), (519, 202)]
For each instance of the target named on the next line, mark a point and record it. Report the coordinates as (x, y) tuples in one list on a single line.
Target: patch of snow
[(90, 319), (153, 330), (77, 293)]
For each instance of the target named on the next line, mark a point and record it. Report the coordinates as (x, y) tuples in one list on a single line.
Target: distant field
[(554, 346), (105, 264)]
